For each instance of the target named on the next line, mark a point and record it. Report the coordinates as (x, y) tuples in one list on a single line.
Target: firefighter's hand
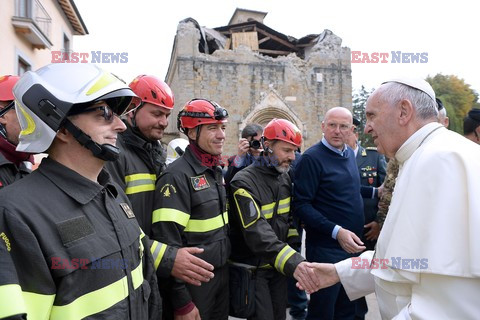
[(374, 231), (305, 275), (349, 241), (190, 268), (325, 276), (192, 315)]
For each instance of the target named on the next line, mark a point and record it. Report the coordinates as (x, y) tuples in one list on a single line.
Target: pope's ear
[(406, 112)]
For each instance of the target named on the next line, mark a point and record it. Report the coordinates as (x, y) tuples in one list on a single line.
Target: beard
[(282, 169)]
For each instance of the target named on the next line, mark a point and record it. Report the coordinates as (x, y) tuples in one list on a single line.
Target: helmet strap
[(105, 151)]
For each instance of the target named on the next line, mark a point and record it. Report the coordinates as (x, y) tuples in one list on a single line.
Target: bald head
[(337, 126), (339, 112)]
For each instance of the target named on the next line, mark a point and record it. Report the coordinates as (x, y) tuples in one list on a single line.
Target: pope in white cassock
[(430, 241)]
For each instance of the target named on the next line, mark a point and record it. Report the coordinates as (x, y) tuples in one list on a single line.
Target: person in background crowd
[(14, 165), (471, 126)]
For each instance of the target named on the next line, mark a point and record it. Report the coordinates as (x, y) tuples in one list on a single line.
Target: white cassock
[(435, 215)]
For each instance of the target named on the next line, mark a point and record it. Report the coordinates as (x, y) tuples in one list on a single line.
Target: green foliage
[(359, 103), (457, 97)]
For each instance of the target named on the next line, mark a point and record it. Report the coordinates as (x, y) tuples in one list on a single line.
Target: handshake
[(312, 276)]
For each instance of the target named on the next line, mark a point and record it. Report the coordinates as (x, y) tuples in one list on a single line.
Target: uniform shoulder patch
[(199, 182), (167, 189), (128, 212)]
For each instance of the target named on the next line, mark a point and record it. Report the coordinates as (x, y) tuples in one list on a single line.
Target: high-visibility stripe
[(140, 182), (206, 225), (158, 250), (267, 210), (191, 225), (98, 300), (105, 79), (93, 302), (243, 193), (292, 233), (137, 276), (38, 305), (284, 206), (12, 301), (282, 258), (170, 215)]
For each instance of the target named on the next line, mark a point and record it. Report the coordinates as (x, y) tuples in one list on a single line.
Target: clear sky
[(446, 30)]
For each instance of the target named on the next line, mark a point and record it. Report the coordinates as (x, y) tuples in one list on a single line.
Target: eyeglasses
[(9, 106), (342, 127), (107, 114)]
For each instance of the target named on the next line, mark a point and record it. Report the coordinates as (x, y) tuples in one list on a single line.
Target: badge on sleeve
[(127, 210), (166, 190), (199, 182)]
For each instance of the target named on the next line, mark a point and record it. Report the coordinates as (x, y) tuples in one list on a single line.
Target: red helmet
[(200, 111), (6, 87), (281, 129), (153, 90)]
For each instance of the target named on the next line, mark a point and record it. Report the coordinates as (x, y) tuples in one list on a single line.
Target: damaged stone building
[(259, 74)]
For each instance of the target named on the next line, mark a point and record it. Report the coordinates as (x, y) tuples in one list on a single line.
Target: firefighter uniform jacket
[(190, 211), (72, 249), (9, 172), (135, 171), (257, 239)]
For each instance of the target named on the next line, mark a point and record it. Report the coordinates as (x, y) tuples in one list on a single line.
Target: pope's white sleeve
[(356, 280)]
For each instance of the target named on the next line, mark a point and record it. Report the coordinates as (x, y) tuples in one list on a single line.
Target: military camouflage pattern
[(388, 185)]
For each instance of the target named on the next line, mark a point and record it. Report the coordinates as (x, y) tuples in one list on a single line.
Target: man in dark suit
[(372, 168)]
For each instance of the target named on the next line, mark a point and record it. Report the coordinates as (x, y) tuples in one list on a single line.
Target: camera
[(255, 144)]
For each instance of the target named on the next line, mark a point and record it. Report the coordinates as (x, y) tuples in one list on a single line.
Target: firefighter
[(261, 224), (13, 164), (139, 164), (70, 245), (190, 209)]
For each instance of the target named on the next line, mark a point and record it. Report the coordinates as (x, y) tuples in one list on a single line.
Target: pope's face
[(381, 125)]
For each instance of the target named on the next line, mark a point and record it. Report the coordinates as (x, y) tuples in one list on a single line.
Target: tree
[(359, 103), (457, 97)]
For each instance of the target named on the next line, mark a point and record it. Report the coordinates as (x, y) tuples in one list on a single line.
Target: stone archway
[(271, 105)]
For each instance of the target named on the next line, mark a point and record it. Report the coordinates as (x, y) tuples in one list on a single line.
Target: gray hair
[(251, 129), (394, 92)]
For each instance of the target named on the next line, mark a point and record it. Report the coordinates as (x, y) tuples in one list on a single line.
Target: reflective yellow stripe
[(30, 122), (11, 300), (195, 225), (98, 300), (140, 182), (267, 210), (282, 258), (243, 193), (158, 250), (93, 302), (284, 206), (137, 275), (170, 215), (292, 233), (38, 305), (106, 79)]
